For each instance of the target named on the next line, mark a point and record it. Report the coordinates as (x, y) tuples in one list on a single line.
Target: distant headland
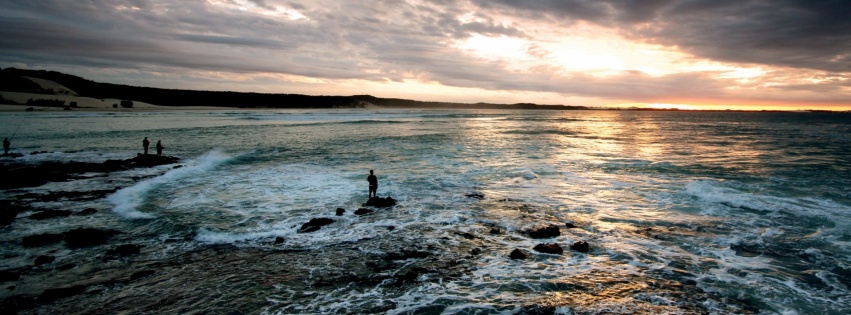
[(43, 89), (52, 83)]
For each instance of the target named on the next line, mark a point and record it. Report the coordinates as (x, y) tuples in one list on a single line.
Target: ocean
[(684, 212)]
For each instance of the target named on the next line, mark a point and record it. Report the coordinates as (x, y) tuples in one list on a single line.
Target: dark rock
[(580, 246), (475, 251), (10, 274), (391, 228), (66, 266), (379, 202), (314, 224), (496, 230), (50, 214), (476, 195), (518, 254), (128, 249), (551, 248), (141, 274), (41, 240), (41, 260), (9, 210), (87, 211), (570, 225), (544, 231), (340, 211), (51, 295), (363, 211), (87, 236), (405, 254), (279, 240), (26, 175), (465, 235)]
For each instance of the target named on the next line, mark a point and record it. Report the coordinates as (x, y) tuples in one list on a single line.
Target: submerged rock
[(128, 249), (279, 240), (141, 274), (476, 195), (406, 254), (43, 259), (41, 239), (580, 246), (87, 236), (51, 295), (314, 224), (50, 214), (363, 211), (379, 202), (544, 231), (551, 248)]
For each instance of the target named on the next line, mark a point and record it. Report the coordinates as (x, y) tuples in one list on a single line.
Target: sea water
[(747, 208)]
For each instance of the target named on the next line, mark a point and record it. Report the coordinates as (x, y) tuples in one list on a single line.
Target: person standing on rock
[(160, 148), (373, 184), (145, 144), (6, 145)]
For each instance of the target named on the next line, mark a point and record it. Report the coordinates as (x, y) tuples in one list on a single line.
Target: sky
[(689, 54)]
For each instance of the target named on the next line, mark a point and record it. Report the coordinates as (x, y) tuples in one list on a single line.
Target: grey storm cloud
[(387, 40), (811, 34)]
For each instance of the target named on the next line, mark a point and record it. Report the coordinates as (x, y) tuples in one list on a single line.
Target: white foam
[(128, 200)]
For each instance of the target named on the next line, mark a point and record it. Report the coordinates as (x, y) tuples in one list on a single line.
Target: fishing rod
[(16, 129)]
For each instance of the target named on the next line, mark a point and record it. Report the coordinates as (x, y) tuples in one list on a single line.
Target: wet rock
[(51, 295), (43, 259), (496, 231), (406, 254), (391, 228), (26, 175), (41, 239), (570, 225), (551, 248), (465, 235), (81, 237), (476, 195), (10, 274), (50, 214), (279, 240), (9, 209), (128, 249), (363, 211), (314, 224), (518, 254), (476, 251), (379, 202), (7, 217), (87, 211), (544, 231), (580, 246), (141, 274), (340, 211), (66, 266)]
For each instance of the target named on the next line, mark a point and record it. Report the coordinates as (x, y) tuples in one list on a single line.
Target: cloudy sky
[(701, 54)]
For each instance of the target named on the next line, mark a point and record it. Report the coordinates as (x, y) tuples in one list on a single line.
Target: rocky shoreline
[(124, 275)]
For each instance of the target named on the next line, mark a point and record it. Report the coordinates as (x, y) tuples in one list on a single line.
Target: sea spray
[(127, 200)]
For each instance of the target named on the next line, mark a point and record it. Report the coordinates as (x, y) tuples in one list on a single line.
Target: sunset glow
[(596, 54)]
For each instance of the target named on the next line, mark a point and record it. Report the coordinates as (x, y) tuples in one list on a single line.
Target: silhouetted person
[(6, 145), (373, 184), (160, 147), (145, 144)]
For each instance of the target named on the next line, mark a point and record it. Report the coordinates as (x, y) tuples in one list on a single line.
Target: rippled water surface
[(685, 213)]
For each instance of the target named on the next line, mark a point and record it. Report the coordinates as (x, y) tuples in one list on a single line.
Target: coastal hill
[(61, 84)]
